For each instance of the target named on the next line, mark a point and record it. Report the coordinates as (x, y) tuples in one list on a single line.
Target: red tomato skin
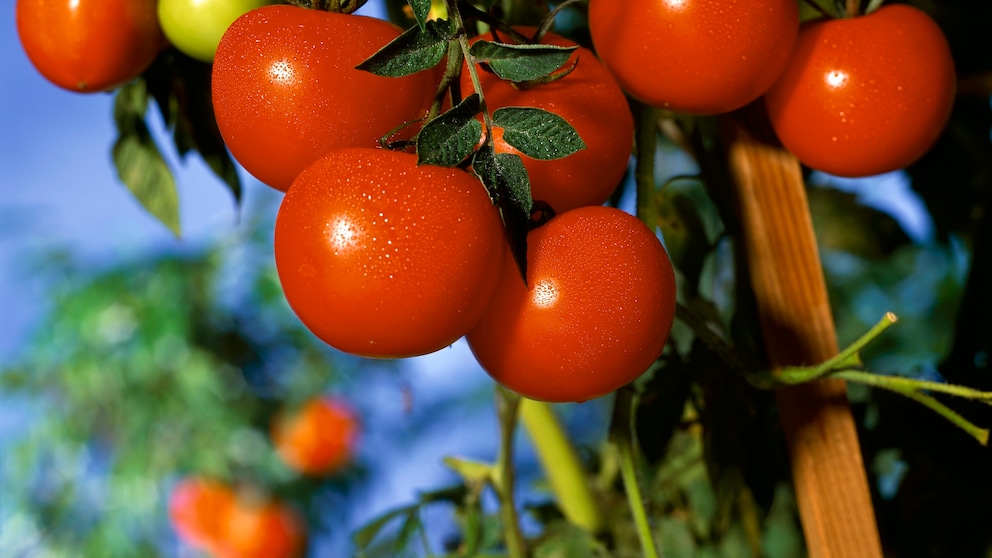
[(593, 103), (382, 258), (198, 508), (261, 530), (864, 95), (286, 91), (694, 56), (596, 311), (87, 46), (319, 438)]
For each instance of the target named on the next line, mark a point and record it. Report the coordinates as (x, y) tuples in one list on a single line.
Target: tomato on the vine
[(261, 530), (89, 45), (591, 101), (864, 95), (594, 314), (380, 257), (694, 56), (286, 91), (197, 511), (318, 438), (196, 26)]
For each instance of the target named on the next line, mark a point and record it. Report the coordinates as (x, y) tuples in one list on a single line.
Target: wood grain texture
[(828, 472)]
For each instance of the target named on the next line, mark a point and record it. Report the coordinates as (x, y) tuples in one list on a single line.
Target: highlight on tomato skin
[(595, 312), (319, 438), (285, 89), (592, 102), (699, 57), (89, 46), (865, 95), (382, 258)]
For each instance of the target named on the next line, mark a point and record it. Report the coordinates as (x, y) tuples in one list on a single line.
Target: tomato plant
[(694, 56), (197, 511), (196, 26), (286, 91), (380, 257), (89, 45), (591, 101), (594, 314), (864, 95), (317, 439)]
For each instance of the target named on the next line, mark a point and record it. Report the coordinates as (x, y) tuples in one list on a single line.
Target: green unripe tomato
[(196, 26)]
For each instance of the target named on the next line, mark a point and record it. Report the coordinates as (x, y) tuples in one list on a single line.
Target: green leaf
[(538, 133), (364, 536), (415, 50), (139, 162), (520, 63), (421, 8), (475, 472), (562, 540), (451, 137), (506, 179)]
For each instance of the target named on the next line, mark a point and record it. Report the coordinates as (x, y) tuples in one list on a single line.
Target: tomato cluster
[(390, 253), (853, 96)]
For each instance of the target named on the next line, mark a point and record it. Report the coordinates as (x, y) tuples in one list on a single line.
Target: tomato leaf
[(538, 133), (421, 8), (180, 86), (139, 162), (506, 179), (451, 137), (520, 63), (415, 50)]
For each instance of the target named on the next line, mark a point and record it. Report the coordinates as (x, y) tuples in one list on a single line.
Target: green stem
[(914, 389), (646, 143), (848, 358), (622, 432), (901, 383), (507, 404), (561, 464)]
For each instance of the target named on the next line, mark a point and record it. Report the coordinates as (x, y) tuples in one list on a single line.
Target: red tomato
[(694, 56), (89, 45), (592, 102), (317, 439), (595, 313), (261, 530), (286, 91), (382, 258), (864, 95), (197, 511)]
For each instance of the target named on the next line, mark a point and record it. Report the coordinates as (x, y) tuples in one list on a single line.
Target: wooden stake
[(828, 472)]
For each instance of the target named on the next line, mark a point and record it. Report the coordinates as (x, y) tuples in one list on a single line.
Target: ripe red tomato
[(592, 102), (694, 56), (864, 95), (317, 439), (89, 45), (261, 530), (382, 258), (197, 511), (286, 91), (595, 313)]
